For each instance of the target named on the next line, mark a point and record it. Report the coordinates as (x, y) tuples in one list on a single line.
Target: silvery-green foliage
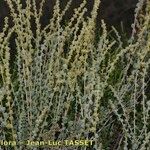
[(67, 86)]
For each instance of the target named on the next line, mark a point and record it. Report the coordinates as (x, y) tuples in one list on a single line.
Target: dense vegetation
[(72, 81)]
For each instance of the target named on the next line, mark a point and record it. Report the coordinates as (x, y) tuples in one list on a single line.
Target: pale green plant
[(65, 83)]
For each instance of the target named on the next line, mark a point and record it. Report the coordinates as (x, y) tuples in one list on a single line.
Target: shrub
[(64, 85)]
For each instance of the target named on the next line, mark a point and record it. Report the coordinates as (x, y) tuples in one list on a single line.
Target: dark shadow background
[(112, 11)]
